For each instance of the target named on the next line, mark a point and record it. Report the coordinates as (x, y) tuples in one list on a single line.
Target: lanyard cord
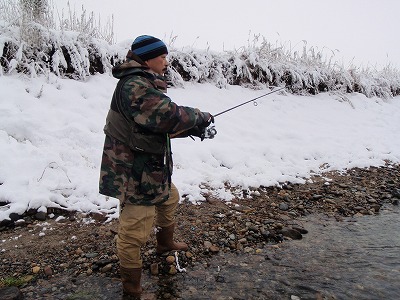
[(168, 160)]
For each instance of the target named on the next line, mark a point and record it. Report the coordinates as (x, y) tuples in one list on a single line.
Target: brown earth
[(42, 255)]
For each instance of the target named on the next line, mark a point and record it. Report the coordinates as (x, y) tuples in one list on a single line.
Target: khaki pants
[(136, 223)]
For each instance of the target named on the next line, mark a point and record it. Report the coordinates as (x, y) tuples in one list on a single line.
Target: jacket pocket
[(154, 179)]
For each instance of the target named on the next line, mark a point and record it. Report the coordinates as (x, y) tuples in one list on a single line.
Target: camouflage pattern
[(140, 177)]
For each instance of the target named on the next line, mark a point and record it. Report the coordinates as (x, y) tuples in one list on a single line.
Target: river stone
[(283, 206), (170, 259), (207, 244), (396, 193), (41, 216), (154, 269), (300, 229), (214, 249), (10, 293), (172, 270), (106, 268), (48, 271), (291, 233)]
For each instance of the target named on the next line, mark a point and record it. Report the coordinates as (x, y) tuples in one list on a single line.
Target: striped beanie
[(148, 47)]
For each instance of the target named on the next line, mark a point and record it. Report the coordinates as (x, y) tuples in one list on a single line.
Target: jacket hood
[(132, 65)]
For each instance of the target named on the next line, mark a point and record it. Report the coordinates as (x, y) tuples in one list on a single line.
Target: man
[(136, 163)]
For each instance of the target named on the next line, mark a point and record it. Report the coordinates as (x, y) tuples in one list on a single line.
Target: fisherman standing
[(137, 163)]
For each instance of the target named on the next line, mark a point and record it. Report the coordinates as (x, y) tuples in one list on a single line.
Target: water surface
[(358, 258)]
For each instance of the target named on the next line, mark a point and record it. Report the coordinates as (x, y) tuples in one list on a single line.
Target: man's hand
[(205, 120)]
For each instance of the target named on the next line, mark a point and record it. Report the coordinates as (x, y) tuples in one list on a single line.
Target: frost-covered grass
[(40, 40), (78, 55)]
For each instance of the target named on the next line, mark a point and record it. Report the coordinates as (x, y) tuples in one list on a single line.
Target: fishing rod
[(252, 100), (210, 132)]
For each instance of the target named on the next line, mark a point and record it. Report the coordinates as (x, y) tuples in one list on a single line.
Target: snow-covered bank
[(51, 140)]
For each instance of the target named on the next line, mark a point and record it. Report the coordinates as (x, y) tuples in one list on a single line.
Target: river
[(357, 258)]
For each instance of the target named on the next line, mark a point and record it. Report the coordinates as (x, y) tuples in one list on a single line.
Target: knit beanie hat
[(148, 47)]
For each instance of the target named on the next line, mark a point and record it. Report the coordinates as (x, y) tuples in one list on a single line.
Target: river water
[(357, 258)]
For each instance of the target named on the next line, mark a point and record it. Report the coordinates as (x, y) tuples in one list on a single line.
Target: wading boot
[(165, 240), (130, 278)]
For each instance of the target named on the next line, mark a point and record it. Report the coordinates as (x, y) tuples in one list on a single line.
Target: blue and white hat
[(148, 47)]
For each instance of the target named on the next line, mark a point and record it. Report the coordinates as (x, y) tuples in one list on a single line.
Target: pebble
[(106, 268), (283, 206), (172, 270), (291, 233), (170, 259), (154, 269), (214, 249), (207, 244), (48, 271), (41, 216)]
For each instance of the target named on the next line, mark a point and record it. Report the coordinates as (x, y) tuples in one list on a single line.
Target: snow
[(51, 137)]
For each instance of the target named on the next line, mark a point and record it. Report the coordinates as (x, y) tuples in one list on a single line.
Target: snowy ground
[(51, 140)]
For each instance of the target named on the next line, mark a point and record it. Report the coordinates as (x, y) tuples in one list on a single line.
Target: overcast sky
[(364, 31)]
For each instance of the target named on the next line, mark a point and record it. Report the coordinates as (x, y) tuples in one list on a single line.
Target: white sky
[(364, 31)]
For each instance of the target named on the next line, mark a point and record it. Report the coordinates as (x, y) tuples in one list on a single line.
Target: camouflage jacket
[(142, 176)]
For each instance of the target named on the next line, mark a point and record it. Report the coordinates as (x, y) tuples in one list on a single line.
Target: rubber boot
[(130, 278), (165, 240)]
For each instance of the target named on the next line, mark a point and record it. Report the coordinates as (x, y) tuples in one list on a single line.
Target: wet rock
[(10, 293), (396, 193), (207, 244), (242, 241), (291, 233), (154, 269), (300, 229), (106, 268), (41, 216), (170, 259), (283, 206), (172, 270), (265, 234), (91, 255), (219, 216), (330, 201), (48, 271), (214, 249), (20, 222), (376, 207)]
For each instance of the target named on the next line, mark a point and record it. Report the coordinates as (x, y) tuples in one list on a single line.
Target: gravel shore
[(50, 255)]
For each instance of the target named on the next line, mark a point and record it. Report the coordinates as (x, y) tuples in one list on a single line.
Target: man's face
[(158, 64)]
